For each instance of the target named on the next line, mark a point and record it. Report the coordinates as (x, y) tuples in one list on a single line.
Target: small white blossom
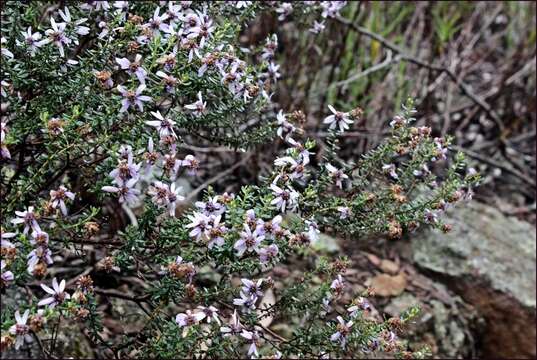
[(197, 107), (58, 294), (338, 119)]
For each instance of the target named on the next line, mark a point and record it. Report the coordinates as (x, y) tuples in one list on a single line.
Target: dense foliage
[(98, 102)]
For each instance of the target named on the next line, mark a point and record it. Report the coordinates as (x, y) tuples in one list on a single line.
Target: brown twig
[(404, 56), (217, 177), (498, 165)]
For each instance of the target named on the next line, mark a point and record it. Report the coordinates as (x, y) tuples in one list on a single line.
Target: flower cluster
[(136, 83)]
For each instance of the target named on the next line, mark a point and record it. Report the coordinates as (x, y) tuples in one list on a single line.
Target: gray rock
[(489, 259), (327, 244), (445, 329)]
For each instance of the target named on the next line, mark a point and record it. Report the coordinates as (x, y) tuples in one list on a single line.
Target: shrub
[(97, 112)]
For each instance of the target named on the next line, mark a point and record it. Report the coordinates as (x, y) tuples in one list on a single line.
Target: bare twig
[(387, 62), (217, 177), (406, 57), (498, 165), (120, 295)]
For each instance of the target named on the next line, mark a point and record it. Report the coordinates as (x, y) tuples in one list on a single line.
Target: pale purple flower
[(285, 9), (189, 318), (125, 170), (430, 217), (253, 339), (313, 230), (20, 329), (174, 12), (58, 294), (249, 241), (150, 156), (197, 107), (302, 151), (203, 31), (27, 218), (131, 98), (327, 308), (344, 212), (215, 232), (32, 41), (211, 206), (211, 313), (317, 27), (252, 288), (343, 330), (191, 20), (125, 191), (192, 46), (121, 5), (199, 224), (4, 152), (171, 164), (285, 128), (338, 285), (337, 175), (231, 78), (173, 198), (38, 255), (97, 5), (80, 30), (207, 60), (468, 194), (159, 193), (391, 170), (40, 238), (398, 121), (284, 198), (361, 304), (235, 326), (271, 44), (422, 172), (7, 276), (273, 71), (338, 119), (245, 300), (57, 35), (156, 23), (331, 8), (271, 227), (57, 197), (164, 125), (6, 235), (252, 220), (191, 164), (241, 4), (169, 81), (442, 150), (3, 50), (268, 253), (296, 169), (133, 67)]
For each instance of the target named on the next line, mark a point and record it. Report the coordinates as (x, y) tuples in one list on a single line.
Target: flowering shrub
[(99, 102)]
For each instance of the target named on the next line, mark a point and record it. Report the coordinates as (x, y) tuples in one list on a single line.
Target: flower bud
[(6, 341), (91, 228), (190, 291), (81, 313), (299, 117), (357, 113), (36, 322), (446, 228), (395, 231), (40, 270)]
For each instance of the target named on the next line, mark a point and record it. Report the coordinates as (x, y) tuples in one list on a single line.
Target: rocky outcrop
[(489, 260)]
